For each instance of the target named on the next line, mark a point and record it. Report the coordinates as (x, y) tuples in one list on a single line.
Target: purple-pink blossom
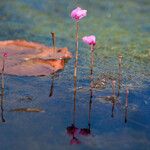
[(90, 40), (78, 13)]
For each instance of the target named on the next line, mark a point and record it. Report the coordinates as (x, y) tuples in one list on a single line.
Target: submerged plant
[(77, 14)]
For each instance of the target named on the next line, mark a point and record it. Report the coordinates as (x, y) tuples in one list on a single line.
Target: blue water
[(116, 30)]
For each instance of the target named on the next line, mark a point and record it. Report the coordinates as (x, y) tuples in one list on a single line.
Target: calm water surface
[(120, 27)]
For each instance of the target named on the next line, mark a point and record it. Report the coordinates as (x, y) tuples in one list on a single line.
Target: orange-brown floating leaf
[(27, 110), (31, 58)]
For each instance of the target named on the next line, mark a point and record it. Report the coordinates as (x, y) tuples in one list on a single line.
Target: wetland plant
[(91, 41), (77, 14)]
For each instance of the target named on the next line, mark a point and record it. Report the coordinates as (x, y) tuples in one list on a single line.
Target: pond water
[(119, 27)]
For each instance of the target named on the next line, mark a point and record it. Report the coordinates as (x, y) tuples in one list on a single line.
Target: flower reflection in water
[(73, 130), (87, 131)]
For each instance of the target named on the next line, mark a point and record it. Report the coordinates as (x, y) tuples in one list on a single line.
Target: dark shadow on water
[(51, 87), (72, 130), (87, 131), (126, 105), (53, 77)]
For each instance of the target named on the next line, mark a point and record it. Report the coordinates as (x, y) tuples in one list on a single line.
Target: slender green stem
[(76, 55), (2, 75), (54, 41), (75, 71), (91, 85), (2, 90)]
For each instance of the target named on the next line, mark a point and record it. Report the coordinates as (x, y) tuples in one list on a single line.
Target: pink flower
[(90, 40), (5, 55), (78, 13)]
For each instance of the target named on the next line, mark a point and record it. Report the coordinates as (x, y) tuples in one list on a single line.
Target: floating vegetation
[(32, 59)]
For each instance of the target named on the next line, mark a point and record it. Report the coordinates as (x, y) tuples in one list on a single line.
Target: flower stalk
[(76, 57), (54, 41)]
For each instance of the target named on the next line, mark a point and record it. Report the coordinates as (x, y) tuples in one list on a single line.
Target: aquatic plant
[(77, 14), (87, 131), (91, 41)]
